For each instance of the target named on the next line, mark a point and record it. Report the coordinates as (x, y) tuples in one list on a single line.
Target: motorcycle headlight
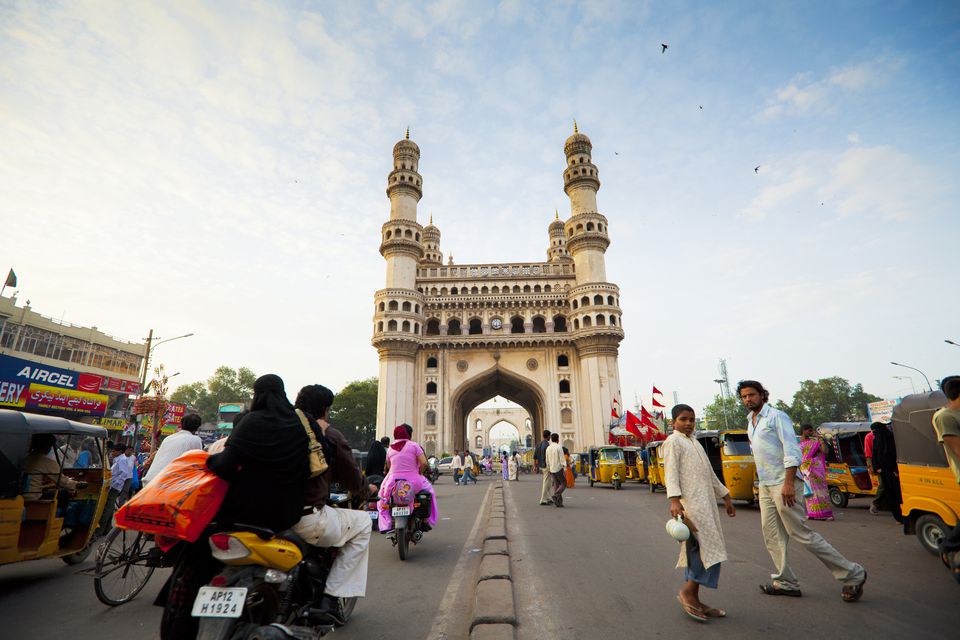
[(274, 577)]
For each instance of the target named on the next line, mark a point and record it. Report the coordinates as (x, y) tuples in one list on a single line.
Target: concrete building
[(83, 369), (542, 334)]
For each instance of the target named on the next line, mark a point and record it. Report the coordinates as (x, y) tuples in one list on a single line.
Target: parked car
[(445, 464)]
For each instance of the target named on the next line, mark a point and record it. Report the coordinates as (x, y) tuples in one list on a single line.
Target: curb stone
[(494, 609)]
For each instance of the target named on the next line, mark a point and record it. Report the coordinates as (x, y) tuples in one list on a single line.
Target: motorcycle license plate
[(219, 602), (374, 515), (400, 511)]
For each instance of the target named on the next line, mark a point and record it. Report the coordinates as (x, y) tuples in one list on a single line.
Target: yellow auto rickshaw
[(631, 455), (607, 466), (53, 486), (847, 472), (655, 474), (738, 465), (931, 495), (581, 464), (642, 471)]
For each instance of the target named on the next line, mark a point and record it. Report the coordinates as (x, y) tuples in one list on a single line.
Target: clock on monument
[(496, 323)]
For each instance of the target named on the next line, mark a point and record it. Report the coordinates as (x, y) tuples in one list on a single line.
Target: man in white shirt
[(468, 464), (173, 446), (457, 467), (556, 464)]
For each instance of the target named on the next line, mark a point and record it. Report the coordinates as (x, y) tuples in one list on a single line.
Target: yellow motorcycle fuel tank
[(243, 548)]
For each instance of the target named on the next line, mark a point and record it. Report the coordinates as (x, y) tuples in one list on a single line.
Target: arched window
[(389, 233), (392, 325), (431, 363), (526, 288), (479, 442), (406, 306), (406, 326), (598, 299), (444, 291), (416, 308), (579, 227), (433, 327), (476, 326), (485, 290), (417, 236), (589, 226), (516, 324), (587, 323), (516, 288), (527, 424), (382, 306), (529, 441), (539, 325), (584, 301), (496, 289), (453, 291), (431, 418), (546, 288), (610, 300), (453, 327), (600, 227), (564, 386), (563, 360), (566, 416), (431, 388), (478, 425), (559, 324), (568, 444), (393, 306), (536, 288), (575, 304), (613, 321), (474, 291), (416, 327), (601, 320), (408, 234), (576, 324)]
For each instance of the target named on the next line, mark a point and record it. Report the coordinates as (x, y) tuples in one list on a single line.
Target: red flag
[(646, 419), (613, 414), (632, 425), (656, 404), (656, 391)]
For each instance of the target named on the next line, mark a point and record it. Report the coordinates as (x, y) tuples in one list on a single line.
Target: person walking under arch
[(540, 464), (782, 514)]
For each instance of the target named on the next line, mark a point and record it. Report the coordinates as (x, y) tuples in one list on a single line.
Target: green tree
[(354, 412), (225, 385), (725, 411), (829, 400)]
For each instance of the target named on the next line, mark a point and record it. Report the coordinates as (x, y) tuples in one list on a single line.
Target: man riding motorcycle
[(325, 526)]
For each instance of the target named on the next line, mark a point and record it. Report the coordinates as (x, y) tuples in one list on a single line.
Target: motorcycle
[(409, 514), (433, 470), (268, 587)]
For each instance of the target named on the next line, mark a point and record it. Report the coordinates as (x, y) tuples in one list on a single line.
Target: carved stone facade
[(544, 335)]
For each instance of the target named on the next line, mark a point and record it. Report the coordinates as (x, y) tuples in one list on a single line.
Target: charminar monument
[(544, 335)]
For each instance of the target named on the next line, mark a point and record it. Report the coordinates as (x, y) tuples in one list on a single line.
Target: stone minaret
[(431, 245), (398, 312), (558, 242), (594, 302)]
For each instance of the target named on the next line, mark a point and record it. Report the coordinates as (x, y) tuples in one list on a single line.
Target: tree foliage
[(225, 385), (828, 400), (354, 412), (723, 412)]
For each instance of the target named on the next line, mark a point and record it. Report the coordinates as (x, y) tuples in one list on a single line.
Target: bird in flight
[(616, 153), (756, 169), (665, 47), (701, 107)]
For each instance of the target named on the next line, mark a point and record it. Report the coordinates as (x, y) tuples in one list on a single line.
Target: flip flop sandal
[(710, 612), (852, 593), (692, 611), (773, 590)]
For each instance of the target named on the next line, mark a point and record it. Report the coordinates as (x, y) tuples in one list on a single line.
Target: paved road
[(603, 566), (48, 599)]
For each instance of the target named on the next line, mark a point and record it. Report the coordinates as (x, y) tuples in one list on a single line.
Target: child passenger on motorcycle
[(405, 461), (326, 526)]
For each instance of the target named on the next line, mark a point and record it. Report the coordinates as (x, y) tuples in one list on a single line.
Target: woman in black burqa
[(266, 462)]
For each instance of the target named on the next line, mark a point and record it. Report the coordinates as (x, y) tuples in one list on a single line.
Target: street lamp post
[(906, 366), (952, 342), (149, 350), (910, 378), (723, 403)]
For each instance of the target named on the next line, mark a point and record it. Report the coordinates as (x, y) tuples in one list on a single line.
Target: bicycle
[(125, 561)]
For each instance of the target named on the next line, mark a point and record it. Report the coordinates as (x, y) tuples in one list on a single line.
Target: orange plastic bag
[(179, 503)]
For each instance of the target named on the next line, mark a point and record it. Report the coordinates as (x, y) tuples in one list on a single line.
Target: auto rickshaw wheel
[(838, 498), (80, 556), (930, 532)]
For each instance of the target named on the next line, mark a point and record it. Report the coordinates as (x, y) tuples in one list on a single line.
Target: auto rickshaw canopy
[(913, 430)]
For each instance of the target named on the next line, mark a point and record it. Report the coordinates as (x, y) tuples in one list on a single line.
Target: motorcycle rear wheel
[(403, 541)]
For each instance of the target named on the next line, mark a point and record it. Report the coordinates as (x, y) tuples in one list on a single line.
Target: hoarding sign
[(13, 393), (114, 424), (33, 372), (51, 398), (881, 411), (171, 419), (121, 386)]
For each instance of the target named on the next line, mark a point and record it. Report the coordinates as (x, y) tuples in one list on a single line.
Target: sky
[(219, 168)]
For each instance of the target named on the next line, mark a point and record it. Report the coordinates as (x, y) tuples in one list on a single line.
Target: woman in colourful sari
[(813, 468), (405, 462)]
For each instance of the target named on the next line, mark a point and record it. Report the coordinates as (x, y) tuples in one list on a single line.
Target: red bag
[(179, 503)]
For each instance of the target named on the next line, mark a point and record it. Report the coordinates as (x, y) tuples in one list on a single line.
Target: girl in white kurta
[(693, 489)]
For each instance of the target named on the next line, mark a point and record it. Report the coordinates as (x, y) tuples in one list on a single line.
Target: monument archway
[(494, 382)]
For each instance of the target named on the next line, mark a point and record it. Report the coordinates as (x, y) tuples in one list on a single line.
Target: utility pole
[(146, 363)]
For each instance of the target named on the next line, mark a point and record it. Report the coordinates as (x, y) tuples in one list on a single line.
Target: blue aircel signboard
[(27, 371)]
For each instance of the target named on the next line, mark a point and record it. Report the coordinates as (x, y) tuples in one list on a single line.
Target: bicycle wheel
[(123, 566)]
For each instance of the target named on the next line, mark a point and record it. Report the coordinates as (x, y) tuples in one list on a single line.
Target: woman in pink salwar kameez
[(405, 460), (814, 471)]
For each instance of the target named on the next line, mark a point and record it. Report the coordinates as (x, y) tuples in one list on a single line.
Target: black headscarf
[(265, 461)]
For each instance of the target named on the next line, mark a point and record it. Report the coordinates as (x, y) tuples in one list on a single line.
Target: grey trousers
[(546, 489), (782, 523)]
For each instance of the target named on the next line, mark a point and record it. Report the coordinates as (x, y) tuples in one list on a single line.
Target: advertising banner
[(52, 398), (13, 393), (171, 419), (881, 411), (121, 386), (113, 424), (33, 372)]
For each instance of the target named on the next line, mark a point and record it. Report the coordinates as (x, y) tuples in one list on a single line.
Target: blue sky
[(220, 168)]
